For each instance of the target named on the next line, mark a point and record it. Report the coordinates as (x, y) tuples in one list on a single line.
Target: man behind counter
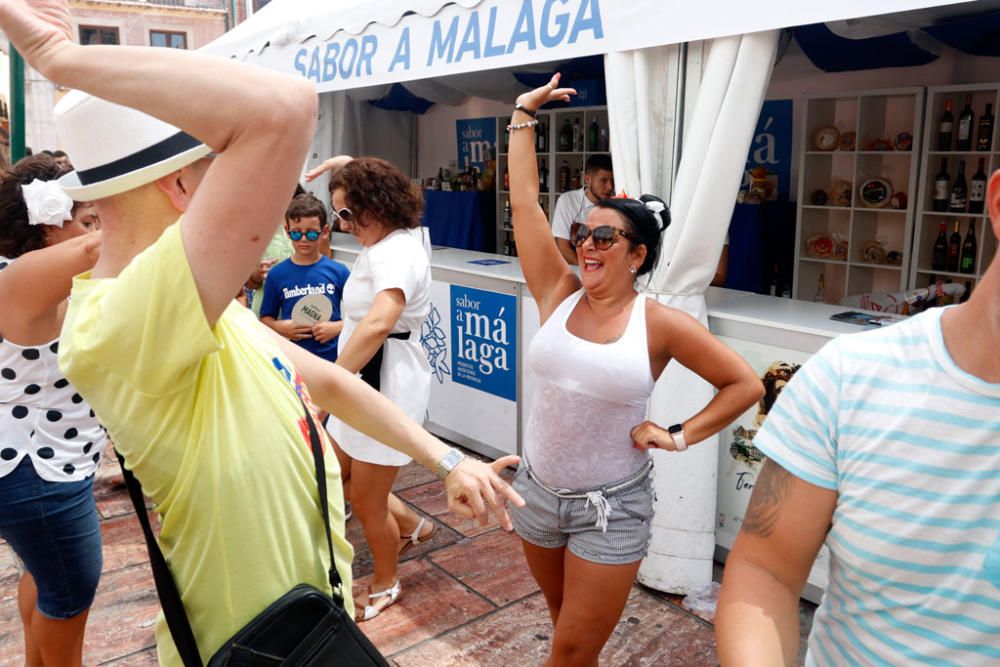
[(574, 205)]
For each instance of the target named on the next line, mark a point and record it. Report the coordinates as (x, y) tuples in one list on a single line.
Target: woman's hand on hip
[(475, 489), (649, 435)]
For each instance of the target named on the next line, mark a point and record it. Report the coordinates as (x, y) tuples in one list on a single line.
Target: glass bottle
[(939, 258), (959, 191), (965, 124), (968, 261), (946, 127), (566, 137), (954, 250), (941, 183), (985, 139), (977, 189)]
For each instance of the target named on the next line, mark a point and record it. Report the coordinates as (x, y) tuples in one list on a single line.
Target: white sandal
[(371, 611), (414, 538)]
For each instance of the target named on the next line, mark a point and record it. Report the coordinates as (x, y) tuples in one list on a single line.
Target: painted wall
[(436, 142)]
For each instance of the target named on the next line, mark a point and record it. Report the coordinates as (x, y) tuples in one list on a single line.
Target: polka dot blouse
[(42, 416)]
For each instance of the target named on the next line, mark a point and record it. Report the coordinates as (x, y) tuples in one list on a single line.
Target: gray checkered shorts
[(609, 524)]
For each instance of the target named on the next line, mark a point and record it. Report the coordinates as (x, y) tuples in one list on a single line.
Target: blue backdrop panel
[(465, 220), (832, 53)]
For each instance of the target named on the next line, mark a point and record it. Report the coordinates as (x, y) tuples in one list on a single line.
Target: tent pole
[(16, 106)]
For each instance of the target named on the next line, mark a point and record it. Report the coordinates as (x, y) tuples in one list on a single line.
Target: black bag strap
[(166, 588)]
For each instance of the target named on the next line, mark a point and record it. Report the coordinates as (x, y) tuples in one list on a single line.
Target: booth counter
[(483, 319)]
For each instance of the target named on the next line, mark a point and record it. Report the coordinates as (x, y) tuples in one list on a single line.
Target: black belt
[(372, 371)]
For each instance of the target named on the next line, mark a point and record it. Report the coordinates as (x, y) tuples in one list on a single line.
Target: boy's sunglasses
[(343, 214), (296, 235), (604, 236)]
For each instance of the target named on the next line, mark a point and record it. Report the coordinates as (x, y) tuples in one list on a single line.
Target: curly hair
[(17, 237), (379, 189)]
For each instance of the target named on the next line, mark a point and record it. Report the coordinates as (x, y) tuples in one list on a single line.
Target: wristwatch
[(677, 433), (448, 463)]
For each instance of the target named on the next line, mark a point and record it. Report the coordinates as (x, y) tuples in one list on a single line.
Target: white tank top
[(587, 398), (42, 417)]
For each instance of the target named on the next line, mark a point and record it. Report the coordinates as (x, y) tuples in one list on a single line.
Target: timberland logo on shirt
[(305, 290)]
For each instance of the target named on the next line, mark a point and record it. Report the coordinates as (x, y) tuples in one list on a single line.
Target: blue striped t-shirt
[(911, 444)]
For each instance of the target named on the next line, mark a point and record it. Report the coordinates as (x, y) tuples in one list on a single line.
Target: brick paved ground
[(468, 599)]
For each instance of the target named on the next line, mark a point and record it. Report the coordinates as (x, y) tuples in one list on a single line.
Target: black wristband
[(521, 107)]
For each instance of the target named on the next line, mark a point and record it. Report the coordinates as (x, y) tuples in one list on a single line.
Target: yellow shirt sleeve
[(154, 304)]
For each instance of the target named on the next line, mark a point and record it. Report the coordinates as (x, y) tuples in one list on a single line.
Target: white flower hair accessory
[(657, 208), (47, 203)]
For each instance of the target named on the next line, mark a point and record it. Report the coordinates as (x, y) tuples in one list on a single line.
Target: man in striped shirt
[(885, 446)]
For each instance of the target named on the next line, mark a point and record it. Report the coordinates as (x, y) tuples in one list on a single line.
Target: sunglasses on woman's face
[(296, 235), (603, 237), (344, 215)]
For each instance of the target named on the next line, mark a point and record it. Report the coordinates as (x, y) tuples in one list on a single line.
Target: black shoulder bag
[(305, 627)]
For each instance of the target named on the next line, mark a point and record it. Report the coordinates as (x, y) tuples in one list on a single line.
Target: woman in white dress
[(385, 301)]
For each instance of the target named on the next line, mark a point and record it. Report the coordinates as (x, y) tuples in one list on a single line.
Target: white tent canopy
[(349, 44)]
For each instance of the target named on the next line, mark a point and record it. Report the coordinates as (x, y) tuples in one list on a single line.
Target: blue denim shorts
[(610, 525), (54, 530)]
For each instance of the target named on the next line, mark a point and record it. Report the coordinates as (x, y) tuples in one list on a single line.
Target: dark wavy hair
[(381, 190), (306, 206), (17, 237), (645, 226)]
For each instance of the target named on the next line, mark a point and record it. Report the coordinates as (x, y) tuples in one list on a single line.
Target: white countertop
[(800, 316)]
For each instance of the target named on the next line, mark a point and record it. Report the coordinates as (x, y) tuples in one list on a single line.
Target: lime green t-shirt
[(209, 419)]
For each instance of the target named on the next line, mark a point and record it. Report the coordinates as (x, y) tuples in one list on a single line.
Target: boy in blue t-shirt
[(306, 273)]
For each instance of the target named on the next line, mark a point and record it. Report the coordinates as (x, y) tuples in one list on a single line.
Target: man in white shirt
[(575, 205)]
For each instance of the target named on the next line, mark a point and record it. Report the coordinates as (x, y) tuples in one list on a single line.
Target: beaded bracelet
[(521, 126)]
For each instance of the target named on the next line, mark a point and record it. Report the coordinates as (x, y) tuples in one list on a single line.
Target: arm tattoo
[(767, 500)]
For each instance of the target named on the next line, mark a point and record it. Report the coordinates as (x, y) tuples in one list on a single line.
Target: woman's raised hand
[(38, 29), (550, 92)]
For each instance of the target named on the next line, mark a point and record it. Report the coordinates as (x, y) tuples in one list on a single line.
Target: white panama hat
[(115, 149)]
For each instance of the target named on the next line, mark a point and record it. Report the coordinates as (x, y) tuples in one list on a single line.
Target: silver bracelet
[(521, 126)]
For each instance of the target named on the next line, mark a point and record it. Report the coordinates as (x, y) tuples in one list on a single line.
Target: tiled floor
[(468, 599)]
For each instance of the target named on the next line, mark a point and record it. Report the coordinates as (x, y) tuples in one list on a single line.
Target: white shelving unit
[(553, 120), (928, 221), (871, 116)]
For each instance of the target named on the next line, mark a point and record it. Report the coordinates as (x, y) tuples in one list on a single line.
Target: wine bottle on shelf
[(959, 191), (984, 141), (593, 132), (968, 261), (577, 136), (564, 176), (543, 177), (820, 290), (506, 178), (946, 127), (965, 123), (574, 183), (603, 141), (507, 220), (977, 189), (566, 137), (954, 250), (941, 183), (939, 258)]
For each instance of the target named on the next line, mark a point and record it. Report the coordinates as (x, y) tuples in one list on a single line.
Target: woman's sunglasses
[(296, 235), (603, 237), (344, 215)]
